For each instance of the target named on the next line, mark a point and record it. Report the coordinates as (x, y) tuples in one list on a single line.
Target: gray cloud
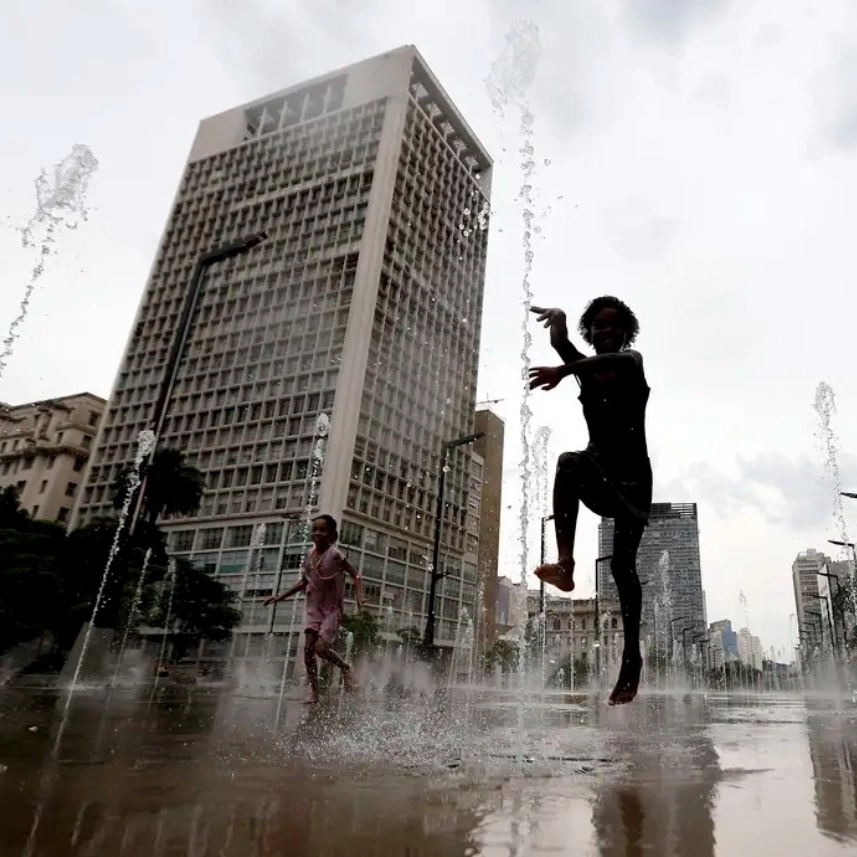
[(671, 20), (793, 492), (835, 90), (271, 42)]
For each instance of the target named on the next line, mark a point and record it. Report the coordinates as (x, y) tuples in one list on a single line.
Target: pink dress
[(325, 577)]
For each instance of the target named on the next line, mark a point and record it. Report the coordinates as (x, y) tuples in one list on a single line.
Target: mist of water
[(170, 590), (132, 613), (825, 407), (322, 429), (254, 560), (509, 83), (145, 445), (60, 203)]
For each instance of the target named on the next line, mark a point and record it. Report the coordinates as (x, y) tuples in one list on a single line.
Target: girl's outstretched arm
[(555, 319), (547, 377)]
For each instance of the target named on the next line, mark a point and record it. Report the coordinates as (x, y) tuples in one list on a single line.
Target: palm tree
[(173, 487)]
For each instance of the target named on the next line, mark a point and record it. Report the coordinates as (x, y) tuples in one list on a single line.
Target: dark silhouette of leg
[(566, 503), (626, 541)]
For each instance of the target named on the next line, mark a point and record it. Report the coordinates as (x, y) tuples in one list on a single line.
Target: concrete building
[(723, 643), (511, 611), (324, 368), (805, 570), (44, 447), (489, 451), (750, 650), (805, 580), (669, 566), (571, 629)]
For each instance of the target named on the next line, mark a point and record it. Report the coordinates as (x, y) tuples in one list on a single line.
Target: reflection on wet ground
[(201, 774)]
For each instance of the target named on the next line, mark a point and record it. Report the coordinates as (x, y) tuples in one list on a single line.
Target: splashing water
[(825, 407), (132, 614), (145, 445), (666, 598), (509, 82), (60, 201), (257, 543), (322, 429), (540, 451), (169, 582)]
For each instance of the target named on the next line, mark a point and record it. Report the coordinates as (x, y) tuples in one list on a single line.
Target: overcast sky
[(698, 159)]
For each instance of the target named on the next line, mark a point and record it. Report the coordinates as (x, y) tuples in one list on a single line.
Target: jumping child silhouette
[(612, 477)]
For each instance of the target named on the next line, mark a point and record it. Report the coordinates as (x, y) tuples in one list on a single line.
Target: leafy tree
[(365, 629), (173, 487), (12, 515), (30, 579), (504, 653), (200, 607), (49, 582), (410, 637)]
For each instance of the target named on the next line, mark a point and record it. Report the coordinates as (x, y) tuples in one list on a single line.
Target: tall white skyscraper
[(324, 368)]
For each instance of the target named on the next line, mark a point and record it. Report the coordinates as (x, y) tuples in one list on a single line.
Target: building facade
[(323, 369), (805, 580), (44, 447), (750, 650), (489, 450), (723, 644), (571, 630), (669, 567)]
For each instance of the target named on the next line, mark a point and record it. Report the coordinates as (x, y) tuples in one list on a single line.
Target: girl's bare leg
[(323, 650), (310, 643)]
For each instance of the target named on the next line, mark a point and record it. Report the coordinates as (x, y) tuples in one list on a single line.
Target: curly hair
[(626, 314), (331, 525)]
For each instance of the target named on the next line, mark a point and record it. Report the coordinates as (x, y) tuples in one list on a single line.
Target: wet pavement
[(200, 773)]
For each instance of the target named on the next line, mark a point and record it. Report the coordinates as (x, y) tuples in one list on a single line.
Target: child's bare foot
[(628, 682), (559, 574)]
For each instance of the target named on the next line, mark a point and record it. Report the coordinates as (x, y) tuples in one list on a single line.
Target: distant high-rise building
[(723, 642), (750, 650), (360, 313), (805, 569), (488, 457), (44, 447), (669, 566)]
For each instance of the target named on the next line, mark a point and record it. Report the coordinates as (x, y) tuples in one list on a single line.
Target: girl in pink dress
[(323, 581)]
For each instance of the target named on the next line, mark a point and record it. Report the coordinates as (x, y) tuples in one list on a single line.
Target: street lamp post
[(182, 332), (436, 574)]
